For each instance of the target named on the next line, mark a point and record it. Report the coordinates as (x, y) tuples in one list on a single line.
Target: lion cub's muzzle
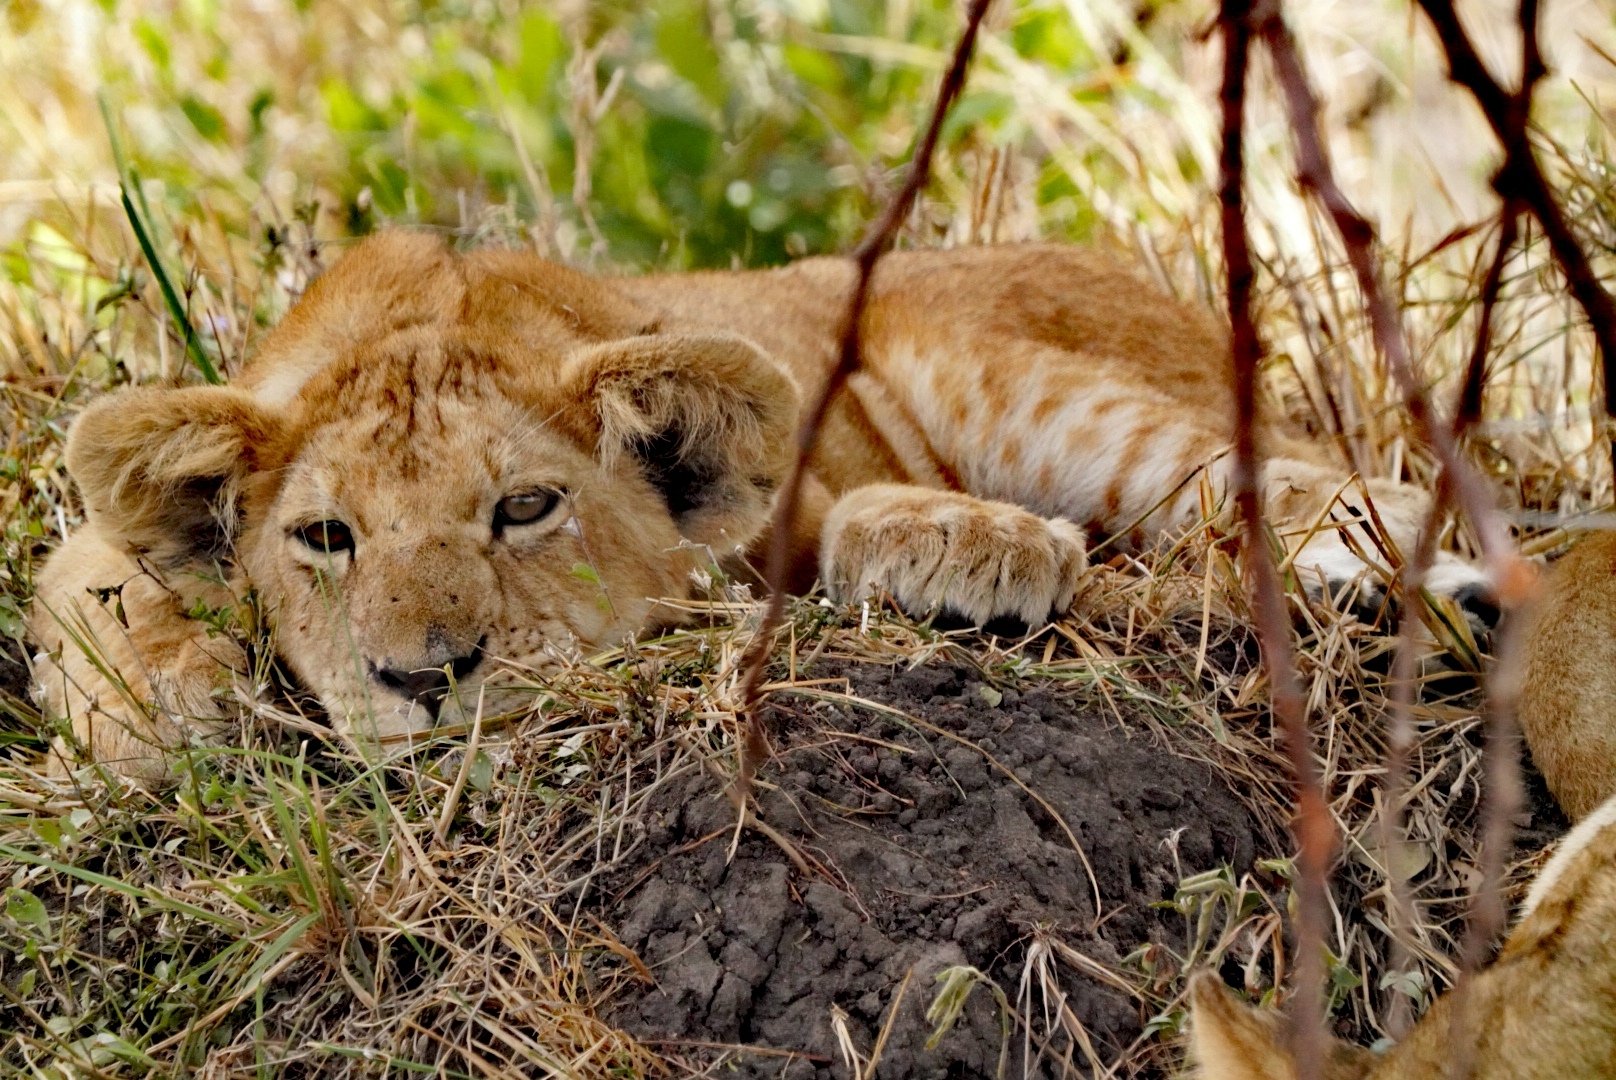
[(428, 686)]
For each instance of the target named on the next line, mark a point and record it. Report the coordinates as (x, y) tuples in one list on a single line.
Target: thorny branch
[(1521, 176), (1315, 832), (875, 244)]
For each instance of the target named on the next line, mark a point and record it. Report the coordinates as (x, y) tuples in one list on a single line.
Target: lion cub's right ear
[(1229, 1040), (162, 469), (707, 419), (1232, 1041)]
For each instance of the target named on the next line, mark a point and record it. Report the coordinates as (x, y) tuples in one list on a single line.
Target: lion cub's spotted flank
[(417, 461)]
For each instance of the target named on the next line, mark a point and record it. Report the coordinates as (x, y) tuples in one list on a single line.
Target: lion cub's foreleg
[(123, 662), (940, 550)]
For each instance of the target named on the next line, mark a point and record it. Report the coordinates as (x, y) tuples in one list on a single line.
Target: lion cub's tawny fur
[(450, 465), (1544, 1010), (1568, 695)]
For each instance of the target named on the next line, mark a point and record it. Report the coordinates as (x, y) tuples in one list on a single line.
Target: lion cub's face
[(412, 544), (438, 507)]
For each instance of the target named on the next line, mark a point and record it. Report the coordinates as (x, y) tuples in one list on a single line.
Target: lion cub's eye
[(525, 507), (331, 536)]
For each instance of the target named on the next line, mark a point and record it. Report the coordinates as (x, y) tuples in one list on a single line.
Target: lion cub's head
[(441, 466)]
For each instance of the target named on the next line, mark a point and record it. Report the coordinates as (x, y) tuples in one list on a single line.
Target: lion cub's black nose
[(429, 686)]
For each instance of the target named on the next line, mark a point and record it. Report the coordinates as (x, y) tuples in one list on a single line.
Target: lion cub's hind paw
[(952, 554)]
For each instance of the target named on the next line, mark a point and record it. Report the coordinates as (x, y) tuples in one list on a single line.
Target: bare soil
[(932, 852)]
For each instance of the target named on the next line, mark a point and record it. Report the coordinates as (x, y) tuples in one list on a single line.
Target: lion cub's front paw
[(936, 550)]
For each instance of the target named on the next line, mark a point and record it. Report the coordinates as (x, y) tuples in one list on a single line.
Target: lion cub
[(441, 466), (1544, 1010)]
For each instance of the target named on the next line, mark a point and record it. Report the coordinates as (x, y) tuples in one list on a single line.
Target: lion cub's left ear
[(708, 420)]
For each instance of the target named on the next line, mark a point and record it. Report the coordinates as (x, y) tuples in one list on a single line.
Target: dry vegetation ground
[(457, 910)]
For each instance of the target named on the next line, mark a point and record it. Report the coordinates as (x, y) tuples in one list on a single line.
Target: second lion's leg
[(946, 551), (1329, 522)]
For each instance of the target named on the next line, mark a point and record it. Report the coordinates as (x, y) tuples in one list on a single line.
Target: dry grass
[(288, 910)]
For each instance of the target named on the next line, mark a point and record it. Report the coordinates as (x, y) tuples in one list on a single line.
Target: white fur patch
[(1327, 561), (284, 383), (1450, 575), (1032, 459)]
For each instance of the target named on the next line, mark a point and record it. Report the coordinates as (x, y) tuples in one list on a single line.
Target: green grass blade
[(127, 180), (153, 897)]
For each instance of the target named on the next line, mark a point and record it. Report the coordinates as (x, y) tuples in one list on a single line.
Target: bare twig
[(1315, 833), (1399, 740), (1400, 725), (875, 244), (1502, 801), (1469, 407), (1521, 176), (1511, 578), (452, 803)]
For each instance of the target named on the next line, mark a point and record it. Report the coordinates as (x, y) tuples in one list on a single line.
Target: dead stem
[(875, 244), (1400, 725), (1512, 578), (1502, 800), (1521, 175), (1312, 824)]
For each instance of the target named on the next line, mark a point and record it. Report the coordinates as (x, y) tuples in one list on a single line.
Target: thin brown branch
[(1315, 833), (1400, 725), (1511, 578), (1521, 175), (875, 244), (1501, 802), (1519, 181), (1399, 740), (1469, 407)]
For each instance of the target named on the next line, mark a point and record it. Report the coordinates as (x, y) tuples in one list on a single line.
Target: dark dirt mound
[(939, 858)]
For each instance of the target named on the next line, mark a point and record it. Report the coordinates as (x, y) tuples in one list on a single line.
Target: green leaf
[(78, 819), (48, 830), (153, 41), (207, 120), (481, 774), (150, 895), (140, 225), (679, 146), (585, 572), (813, 66), (346, 112), (11, 621), (541, 50), (685, 41), (24, 907)]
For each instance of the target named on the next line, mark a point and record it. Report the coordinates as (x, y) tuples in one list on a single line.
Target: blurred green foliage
[(710, 132)]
